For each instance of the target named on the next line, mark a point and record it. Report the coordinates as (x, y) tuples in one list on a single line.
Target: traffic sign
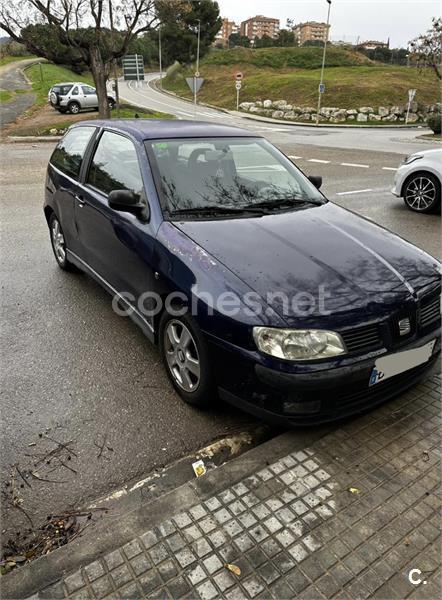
[(194, 83), (133, 67), (238, 85), (321, 88), (238, 76)]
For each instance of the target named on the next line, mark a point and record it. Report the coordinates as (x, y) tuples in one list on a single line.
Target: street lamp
[(321, 83), (160, 57), (197, 72)]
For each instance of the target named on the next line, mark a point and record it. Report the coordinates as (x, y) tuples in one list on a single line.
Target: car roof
[(147, 129), (70, 83)]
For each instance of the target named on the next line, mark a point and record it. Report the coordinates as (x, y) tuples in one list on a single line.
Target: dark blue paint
[(369, 272)]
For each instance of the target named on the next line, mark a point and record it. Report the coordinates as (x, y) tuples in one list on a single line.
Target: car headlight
[(411, 158), (298, 344)]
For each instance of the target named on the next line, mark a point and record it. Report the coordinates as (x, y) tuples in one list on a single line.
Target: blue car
[(255, 288)]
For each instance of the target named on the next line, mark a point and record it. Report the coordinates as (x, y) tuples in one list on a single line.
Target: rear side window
[(62, 89), (68, 155), (115, 165)]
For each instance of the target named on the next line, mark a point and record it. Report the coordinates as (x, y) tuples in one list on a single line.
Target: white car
[(74, 96), (419, 180)]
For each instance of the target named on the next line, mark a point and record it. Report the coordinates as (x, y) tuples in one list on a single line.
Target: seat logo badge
[(404, 326)]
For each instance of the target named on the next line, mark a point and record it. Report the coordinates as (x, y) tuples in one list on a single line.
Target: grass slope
[(293, 74), (44, 75)]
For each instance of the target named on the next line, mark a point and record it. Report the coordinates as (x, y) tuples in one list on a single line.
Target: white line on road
[(389, 168), (353, 192), (355, 165), (318, 160), (293, 156)]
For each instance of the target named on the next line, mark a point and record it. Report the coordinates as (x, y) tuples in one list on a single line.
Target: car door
[(89, 97), (63, 179), (116, 245)]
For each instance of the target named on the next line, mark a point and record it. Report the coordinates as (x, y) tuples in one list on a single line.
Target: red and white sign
[(238, 76)]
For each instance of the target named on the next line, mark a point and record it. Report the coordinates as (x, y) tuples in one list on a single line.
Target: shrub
[(434, 122)]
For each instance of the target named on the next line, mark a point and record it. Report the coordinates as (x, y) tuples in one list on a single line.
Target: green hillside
[(293, 74)]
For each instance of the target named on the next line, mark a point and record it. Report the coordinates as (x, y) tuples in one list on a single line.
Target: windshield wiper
[(213, 210), (278, 203)]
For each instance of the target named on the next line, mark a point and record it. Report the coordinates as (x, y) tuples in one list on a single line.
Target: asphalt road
[(12, 79), (76, 373)]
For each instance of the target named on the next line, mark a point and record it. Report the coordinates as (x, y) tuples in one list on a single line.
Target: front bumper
[(314, 397)]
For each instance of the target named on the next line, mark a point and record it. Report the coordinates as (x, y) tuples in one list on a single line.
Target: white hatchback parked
[(419, 180), (76, 96)]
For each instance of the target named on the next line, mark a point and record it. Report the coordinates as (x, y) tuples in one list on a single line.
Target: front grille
[(362, 338), (429, 311)]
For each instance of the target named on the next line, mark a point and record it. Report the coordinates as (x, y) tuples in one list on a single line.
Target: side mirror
[(127, 201), (316, 180)]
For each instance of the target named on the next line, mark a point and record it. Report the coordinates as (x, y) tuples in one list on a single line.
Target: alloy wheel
[(182, 356), (58, 241), (421, 193)]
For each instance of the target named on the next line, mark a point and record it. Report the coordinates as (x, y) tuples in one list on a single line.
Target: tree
[(97, 45), (264, 42), (286, 38), (179, 29), (429, 47), (236, 39)]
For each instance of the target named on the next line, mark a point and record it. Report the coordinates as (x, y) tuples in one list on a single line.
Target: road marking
[(146, 98), (353, 192), (295, 157), (318, 160), (389, 168), (355, 165)]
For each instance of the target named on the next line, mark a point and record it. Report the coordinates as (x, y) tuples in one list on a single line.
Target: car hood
[(287, 257)]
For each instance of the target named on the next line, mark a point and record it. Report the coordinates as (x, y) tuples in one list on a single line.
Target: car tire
[(54, 99), (74, 108), (422, 192), (58, 244), (186, 359)]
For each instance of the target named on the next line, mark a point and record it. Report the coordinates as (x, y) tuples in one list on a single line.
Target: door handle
[(80, 201)]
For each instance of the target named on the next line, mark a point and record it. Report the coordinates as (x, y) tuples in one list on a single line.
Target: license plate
[(393, 364)]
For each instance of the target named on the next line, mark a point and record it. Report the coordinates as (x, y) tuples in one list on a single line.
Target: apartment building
[(311, 30), (227, 28), (374, 44), (259, 26)]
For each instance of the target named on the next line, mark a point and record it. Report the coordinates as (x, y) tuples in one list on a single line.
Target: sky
[(400, 20)]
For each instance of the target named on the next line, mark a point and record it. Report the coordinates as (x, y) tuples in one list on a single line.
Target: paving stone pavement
[(295, 529)]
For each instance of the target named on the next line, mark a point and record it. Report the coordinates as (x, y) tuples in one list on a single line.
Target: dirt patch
[(36, 121)]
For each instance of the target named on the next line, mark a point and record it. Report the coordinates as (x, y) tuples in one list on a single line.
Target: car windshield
[(222, 175)]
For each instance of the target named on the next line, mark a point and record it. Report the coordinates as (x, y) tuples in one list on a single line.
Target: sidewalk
[(343, 512)]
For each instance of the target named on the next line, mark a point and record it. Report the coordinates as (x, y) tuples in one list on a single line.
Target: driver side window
[(115, 165)]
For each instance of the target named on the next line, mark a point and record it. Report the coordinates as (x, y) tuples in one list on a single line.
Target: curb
[(114, 532), (14, 139)]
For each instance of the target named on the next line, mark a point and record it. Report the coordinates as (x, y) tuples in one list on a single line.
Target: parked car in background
[(254, 286), (419, 180), (75, 96)]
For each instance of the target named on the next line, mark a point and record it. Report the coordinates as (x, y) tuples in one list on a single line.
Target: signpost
[(238, 84), (133, 67), (411, 95)]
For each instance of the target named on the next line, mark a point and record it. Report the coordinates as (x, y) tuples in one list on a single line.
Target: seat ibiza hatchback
[(253, 285)]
